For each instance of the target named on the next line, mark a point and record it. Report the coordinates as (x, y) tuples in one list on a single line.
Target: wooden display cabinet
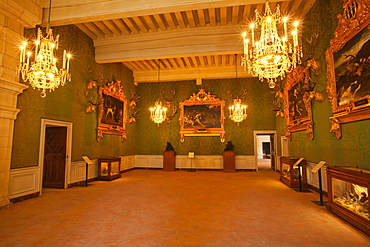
[(229, 161), (289, 174), (348, 195), (169, 160), (109, 169)]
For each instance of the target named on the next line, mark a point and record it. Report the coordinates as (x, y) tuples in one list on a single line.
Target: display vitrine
[(109, 169), (348, 195), (292, 175)]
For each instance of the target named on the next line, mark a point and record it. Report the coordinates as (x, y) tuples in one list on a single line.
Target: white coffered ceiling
[(192, 38)]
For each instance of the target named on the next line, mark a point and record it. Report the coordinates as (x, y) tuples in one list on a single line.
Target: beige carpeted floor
[(157, 208)]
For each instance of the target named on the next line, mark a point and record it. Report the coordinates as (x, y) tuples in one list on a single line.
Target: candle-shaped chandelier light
[(270, 56), (158, 113), (43, 73)]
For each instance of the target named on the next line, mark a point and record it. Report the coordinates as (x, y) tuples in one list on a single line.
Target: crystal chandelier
[(271, 56), (43, 72), (238, 111), (158, 112)]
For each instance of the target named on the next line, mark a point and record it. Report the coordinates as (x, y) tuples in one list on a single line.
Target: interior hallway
[(157, 208)]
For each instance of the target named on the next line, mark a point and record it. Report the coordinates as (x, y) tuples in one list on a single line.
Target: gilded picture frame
[(348, 66), (112, 111), (202, 115), (297, 102)]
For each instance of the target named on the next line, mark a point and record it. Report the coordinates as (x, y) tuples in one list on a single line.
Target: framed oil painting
[(202, 115), (297, 102), (348, 65), (112, 110)]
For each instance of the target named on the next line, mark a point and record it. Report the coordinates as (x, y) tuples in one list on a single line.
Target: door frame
[(263, 132), (55, 123)]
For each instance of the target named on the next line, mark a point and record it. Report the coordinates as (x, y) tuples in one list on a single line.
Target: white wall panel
[(127, 162), (78, 171), (24, 181), (245, 162)]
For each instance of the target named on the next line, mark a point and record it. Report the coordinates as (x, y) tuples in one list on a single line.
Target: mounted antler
[(133, 111), (240, 96), (90, 86), (168, 104), (93, 105), (168, 101), (168, 118), (312, 44), (134, 99)]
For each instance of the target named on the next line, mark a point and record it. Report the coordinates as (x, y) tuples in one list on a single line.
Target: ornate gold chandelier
[(158, 113), (270, 56), (43, 72)]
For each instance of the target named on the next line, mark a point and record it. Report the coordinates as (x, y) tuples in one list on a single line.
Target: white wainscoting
[(127, 162), (246, 162), (24, 181), (198, 162), (78, 171), (313, 178)]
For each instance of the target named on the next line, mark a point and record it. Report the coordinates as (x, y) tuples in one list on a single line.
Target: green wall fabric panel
[(152, 139), (353, 148), (67, 103)]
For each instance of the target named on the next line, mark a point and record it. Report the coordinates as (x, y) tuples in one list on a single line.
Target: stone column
[(14, 17)]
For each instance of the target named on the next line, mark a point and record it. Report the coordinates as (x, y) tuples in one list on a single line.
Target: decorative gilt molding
[(112, 111), (348, 98), (194, 122)]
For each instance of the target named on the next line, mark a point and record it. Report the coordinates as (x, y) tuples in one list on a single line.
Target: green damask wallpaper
[(152, 139), (67, 103), (144, 137), (353, 148)]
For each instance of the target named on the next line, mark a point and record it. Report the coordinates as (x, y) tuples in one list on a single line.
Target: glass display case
[(109, 169), (289, 174), (348, 195)]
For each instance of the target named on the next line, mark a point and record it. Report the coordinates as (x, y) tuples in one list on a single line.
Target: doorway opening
[(55, 152), (265, 149)]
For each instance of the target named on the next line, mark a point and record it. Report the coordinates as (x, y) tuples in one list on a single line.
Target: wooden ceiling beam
[(115, 30), (151, 23), (202, 18), (170, 21), (210, 72), (95, 29), (141, 24), (122, 26), (87, 31), (132, 25), (66, 12)]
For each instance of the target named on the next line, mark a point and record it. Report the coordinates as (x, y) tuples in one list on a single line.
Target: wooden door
[(272, 152), (54, 157)]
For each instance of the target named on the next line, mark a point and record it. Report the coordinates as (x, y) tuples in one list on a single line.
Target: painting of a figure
[(297, 107), (202, 116), (352, 68), (112, 111)]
